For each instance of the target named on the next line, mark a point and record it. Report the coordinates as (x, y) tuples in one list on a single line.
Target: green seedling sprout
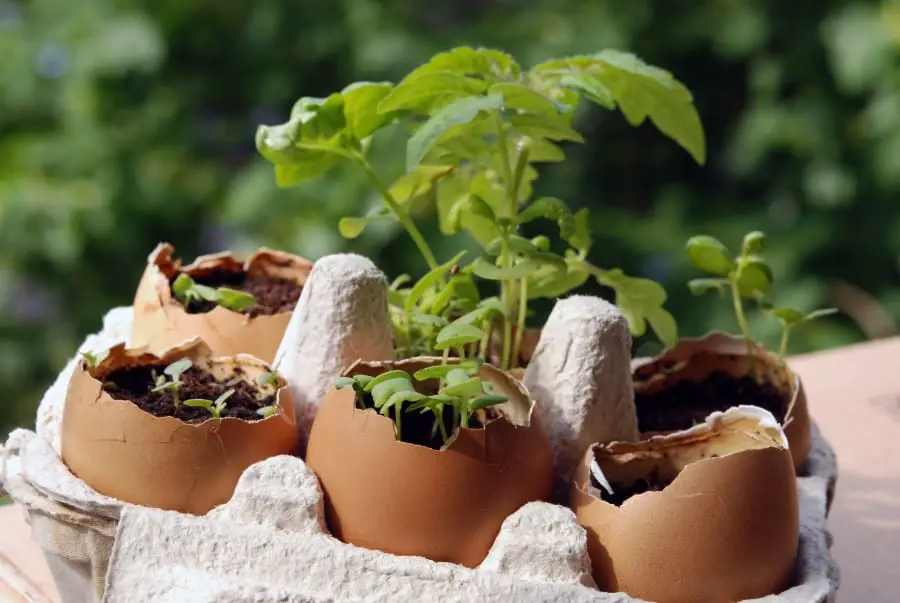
[(481, 125), (268, 378), (94, 359), (459, 388), (747, 276), (188, 291), (215, 407), (173, 383)]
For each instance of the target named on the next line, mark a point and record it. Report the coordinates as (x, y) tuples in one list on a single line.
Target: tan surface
[(854, 396)]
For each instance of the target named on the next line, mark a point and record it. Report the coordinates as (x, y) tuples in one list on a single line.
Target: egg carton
[(270, 542)]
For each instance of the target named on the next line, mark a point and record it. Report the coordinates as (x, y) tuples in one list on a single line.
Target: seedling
[(460, 389), (269, 378), (187, 291), (481, 124), (173, 383), (94, 360), (746, 276), (215, 407)]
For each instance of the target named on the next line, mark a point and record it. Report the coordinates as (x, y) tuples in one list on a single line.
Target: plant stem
[(785, 334), (485, 341), (505, 294), (400, 212), (505, 165), (520, 320), (741, 319)]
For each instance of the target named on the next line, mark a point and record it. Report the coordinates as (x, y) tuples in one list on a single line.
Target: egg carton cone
[(270, 542)]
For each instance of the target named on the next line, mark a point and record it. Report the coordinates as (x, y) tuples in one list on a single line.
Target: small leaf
[(267, 411), (466, 389), (592, 88), (457, 334), (754, 242), (492, 272), (542, 126), (384, 377), (428, 281), (556, 283), (351, 227), (699, 286), (755, 277), (419, 181), (361, 101), (178, 367), (220, 401), (344, 382), (268, 378), (663, 324), (488, 308), (458, 112), (519, 96), (486, 401), (515, 243), (206, 293), (788, 316), (238, 301), (428, 92), (182, 284), (708, 254), (580, 238), (550, 208), (400, 281), (821, 313), (199, 403)]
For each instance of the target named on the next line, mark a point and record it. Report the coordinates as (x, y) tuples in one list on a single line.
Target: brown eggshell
[(160, 321), (695, 359), (405, 499), (126, 453), (726, 529)]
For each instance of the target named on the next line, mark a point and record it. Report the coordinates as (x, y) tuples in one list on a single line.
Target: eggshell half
[(129, 454), (726, 529), (160, 321), (405, 499), (695, 359)]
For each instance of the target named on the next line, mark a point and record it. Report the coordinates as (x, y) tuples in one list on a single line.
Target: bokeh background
[(125, 123)]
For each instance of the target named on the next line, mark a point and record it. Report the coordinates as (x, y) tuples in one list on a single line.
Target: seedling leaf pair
[(188, 291)]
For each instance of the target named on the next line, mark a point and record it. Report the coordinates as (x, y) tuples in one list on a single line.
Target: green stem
[(785, 334), (741, 319), (505, 293), (485, 341), (400, 212), (520, 320), (505, 165)]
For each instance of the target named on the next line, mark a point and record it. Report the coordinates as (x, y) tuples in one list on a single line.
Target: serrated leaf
[(639, 298), (515, 243), (581, 238), (351, 227), (755, 278), (457, 112), (521, 97), (419, 181), (432, 278), (482, 63), (542, 126), (708, 254), (592, 88), (542, 151), (754, 242), (557, 283), (428, 92), (642, 90), (550, 208), (361, 113), (457, 334), (489, 271), (471, 212), (699, 286)]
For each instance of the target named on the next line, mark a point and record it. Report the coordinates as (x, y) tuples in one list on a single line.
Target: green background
[(126, 123)]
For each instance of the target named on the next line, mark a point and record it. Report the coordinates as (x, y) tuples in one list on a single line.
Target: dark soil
[(416, 428), (135, 384), (273, 295), (620, 494), (688, 403)]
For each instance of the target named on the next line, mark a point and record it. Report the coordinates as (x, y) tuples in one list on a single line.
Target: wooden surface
[(854, 396)]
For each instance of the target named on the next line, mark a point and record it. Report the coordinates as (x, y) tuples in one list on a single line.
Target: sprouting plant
[(747, 276), (459, 389), (173, 383), (215, 407), (188, 291), (268, 378), (481, 124), (94, 359)]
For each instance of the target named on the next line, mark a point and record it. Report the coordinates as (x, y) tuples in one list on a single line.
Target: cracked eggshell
[(160, 321), (405, 499), (124, 452), (696, 358), (726, 529)]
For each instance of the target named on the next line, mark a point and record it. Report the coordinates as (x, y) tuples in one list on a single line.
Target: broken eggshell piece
[(695, 359), (123, 452), (161, 321), (723, 527), (406, 499)]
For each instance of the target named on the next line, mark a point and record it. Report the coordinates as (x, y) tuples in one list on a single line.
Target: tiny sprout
[(267, 411), (268, 378), (174, 372), (94, 360), (790, 318), (215, 408), (188, 291)]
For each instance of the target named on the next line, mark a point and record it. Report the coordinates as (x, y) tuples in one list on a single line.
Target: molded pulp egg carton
[(270, 543)]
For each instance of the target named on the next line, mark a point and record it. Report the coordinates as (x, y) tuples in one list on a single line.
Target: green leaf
[(175, 369), (432, 278), (754, 277), (542, 151), (642, 90), (238, 301), (419, 181), (344, 382), (821, 313), (458, 112), (199, 403), (439, 371), (556, 283), (351, 227), (550, 208), (221, 400), (361, 113), (400, 281), (482, 63), (754, 242), (663, 324), (521, 97), (457, 334), (492, 272), (699, 286), (397, 399), (640, 301), (542, 126), (383, 391), (592, 88), (471, 212), (485, 401), (788, 316), (427, 92), (182, 284), (384, 377), (488, 308), (516, 244), (708, 254), (466, 389), (581, 236)]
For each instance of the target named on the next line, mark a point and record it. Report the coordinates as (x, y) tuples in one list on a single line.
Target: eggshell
[(405, 499), (131, 455), (726, 529), (160, 321), (696, 358)]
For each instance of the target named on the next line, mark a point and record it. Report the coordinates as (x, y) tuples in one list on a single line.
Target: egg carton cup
[(270, 542)]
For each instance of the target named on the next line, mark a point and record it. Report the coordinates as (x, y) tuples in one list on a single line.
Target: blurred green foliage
[(125, 123)]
